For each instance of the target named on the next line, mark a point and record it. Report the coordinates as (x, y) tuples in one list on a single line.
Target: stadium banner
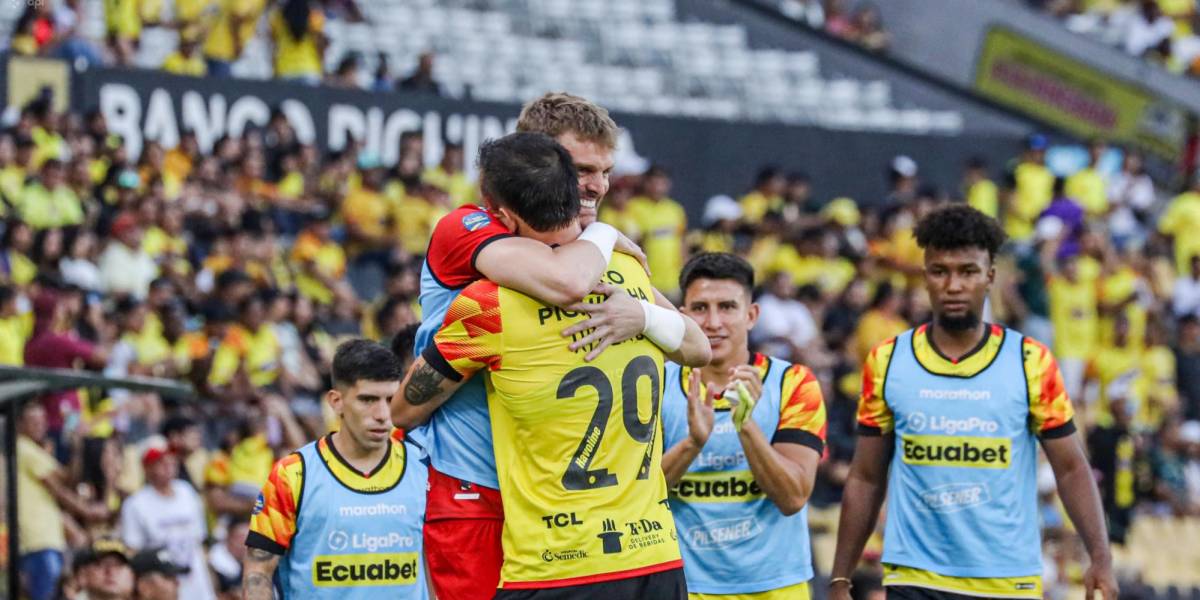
[(705, 157), (1045, 83)]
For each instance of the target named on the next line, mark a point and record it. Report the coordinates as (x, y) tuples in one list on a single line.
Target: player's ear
[(334, 399), (752, 315)]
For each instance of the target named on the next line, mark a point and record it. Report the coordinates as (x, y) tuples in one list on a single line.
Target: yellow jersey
[(1035, 190), (1182, 220), (14, 333), (223, 40), (578, 444), (1073, 312), (178, 63), (1087, 187), (662, 224), (983, 197), (296, 58), (756, 205)]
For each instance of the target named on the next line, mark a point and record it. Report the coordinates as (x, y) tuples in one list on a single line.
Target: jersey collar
[(968, 365)]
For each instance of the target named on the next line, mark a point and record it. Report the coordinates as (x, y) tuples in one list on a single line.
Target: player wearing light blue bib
[(740, 478), (341, 517), (949, 421)]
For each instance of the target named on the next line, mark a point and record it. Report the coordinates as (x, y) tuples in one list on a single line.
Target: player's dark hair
[(717, 265), (958, 226), (364, 360), (533, 176)]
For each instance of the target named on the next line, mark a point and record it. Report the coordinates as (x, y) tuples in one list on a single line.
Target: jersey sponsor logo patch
[(720, 533), (476, 220), (610, 537), (259, 504), (715, 460), (358, 570), (718, 486), (562, 555), (957, 451), (340, 540), (373, 510), (919, 422), (959, 394), (954, 497)]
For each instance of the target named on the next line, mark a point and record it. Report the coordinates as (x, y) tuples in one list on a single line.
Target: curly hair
[(557, 113), (958, 226)]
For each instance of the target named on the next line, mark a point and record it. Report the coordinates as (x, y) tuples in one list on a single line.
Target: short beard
[(964, 323)]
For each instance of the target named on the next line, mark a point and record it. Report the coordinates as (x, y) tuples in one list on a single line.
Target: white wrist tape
[(663, 326), (603, 236)]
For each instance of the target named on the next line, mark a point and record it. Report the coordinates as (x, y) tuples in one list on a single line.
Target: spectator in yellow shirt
[(1033, 189), (14, 328), (297, 32), (767, 195), (12, 175), (880, 322), (448, 176), (249, 347), (663, 223), (229, 34), (1088, 186), (16, 268), (980, 190), (1074, 312), (616, 212), (368, 213), (187, 59), (321, 262), (1181, 221), (48, 201)]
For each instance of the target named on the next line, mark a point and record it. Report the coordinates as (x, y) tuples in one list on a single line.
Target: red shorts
[(463, 524)]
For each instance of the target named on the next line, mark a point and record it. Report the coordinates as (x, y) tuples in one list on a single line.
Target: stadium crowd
[(1163, 32), (240, 270)]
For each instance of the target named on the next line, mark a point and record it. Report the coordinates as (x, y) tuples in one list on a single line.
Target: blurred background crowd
[(239, 270)]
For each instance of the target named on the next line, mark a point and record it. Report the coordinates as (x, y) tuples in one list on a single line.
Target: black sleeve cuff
[(869, 431), (1058, 432), (799, 436), (485, 244), (440, 364), (257, 540)]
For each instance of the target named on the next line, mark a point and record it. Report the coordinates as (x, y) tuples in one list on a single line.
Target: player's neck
[(716, 374), (955, 343), (362, 459)]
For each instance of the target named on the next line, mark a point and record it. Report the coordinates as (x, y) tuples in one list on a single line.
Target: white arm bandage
[(664, 326), (603, 236)]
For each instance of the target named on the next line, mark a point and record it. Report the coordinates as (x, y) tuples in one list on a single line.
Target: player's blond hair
[(556, 113)]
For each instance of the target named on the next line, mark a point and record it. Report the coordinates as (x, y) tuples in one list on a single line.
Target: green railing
[(19, 384)]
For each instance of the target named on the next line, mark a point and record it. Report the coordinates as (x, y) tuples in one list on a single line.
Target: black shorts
[(666, 585), (912, 592)]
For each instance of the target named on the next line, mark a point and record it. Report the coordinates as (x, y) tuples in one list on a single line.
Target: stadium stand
[(206, 264)]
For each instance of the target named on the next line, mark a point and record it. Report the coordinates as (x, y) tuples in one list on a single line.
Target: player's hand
[(625, 245), (748, 375), (701, 414), (1099, 577), (618, 318)]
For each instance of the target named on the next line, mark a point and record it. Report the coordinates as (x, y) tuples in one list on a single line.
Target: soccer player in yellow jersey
[(579, 443), (662, 224), (955, 410)]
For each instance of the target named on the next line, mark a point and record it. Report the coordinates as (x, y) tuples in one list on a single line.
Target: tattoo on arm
[(423, 385), (259, 569)]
